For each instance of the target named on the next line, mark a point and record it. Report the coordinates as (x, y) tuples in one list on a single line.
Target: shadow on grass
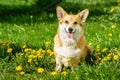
[(95, 9), (22, 14)]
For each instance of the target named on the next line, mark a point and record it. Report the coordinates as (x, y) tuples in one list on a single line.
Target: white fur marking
[(76, 35)]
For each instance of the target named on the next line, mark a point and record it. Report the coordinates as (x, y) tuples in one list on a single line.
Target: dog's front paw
[(58, 68)]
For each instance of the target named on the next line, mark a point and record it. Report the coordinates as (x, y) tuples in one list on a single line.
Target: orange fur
[(72, 20)]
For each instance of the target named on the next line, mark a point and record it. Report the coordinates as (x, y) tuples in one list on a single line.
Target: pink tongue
[(70, 35)]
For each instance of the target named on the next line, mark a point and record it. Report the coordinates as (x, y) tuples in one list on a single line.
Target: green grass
[(33, 31)]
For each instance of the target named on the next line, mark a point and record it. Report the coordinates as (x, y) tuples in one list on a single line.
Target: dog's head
[(70, 26)]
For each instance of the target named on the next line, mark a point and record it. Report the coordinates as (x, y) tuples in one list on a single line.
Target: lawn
[(26, 41)]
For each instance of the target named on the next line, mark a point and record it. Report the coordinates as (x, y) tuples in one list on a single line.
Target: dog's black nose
[(70, 29)]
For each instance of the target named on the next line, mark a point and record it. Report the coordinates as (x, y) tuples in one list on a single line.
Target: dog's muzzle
[(70, 30)]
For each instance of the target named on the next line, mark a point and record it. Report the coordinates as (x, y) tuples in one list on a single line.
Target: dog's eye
[(66, 22), (75, 22)]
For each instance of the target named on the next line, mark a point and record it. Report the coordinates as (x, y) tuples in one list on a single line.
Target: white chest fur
[(69, 51)]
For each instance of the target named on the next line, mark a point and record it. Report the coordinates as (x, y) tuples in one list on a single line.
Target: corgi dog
[(70, 46)]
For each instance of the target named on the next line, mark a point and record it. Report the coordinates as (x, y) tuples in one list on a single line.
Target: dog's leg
[(58, 64), (89, 50)]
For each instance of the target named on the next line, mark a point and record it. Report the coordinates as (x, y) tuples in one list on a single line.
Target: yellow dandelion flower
[(19, 68), (52, 53), (116, 57), (104, 50), (9, 50), (53, 73), (22, 73), (90, 44), (31, 56), (47, 44), (29, 60), (64, 73), (49, 51), (40, 70), (39, 56), (113, 26), (108, 57), (110, 34), (43, 51), (24, 46), (27, 50), (98, 46), (112, 10), (110, 54), (34, 56), (40, 50), (68, 59), (118, 1), (104, 59), (33, 51)]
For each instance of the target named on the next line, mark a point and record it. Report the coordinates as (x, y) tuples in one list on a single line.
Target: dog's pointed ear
[(83, 15), (60, 12)]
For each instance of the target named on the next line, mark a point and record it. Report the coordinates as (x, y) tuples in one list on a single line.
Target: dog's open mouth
[(70, 34)]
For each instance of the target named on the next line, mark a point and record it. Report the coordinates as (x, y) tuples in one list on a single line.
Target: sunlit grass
[(26, 46)]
